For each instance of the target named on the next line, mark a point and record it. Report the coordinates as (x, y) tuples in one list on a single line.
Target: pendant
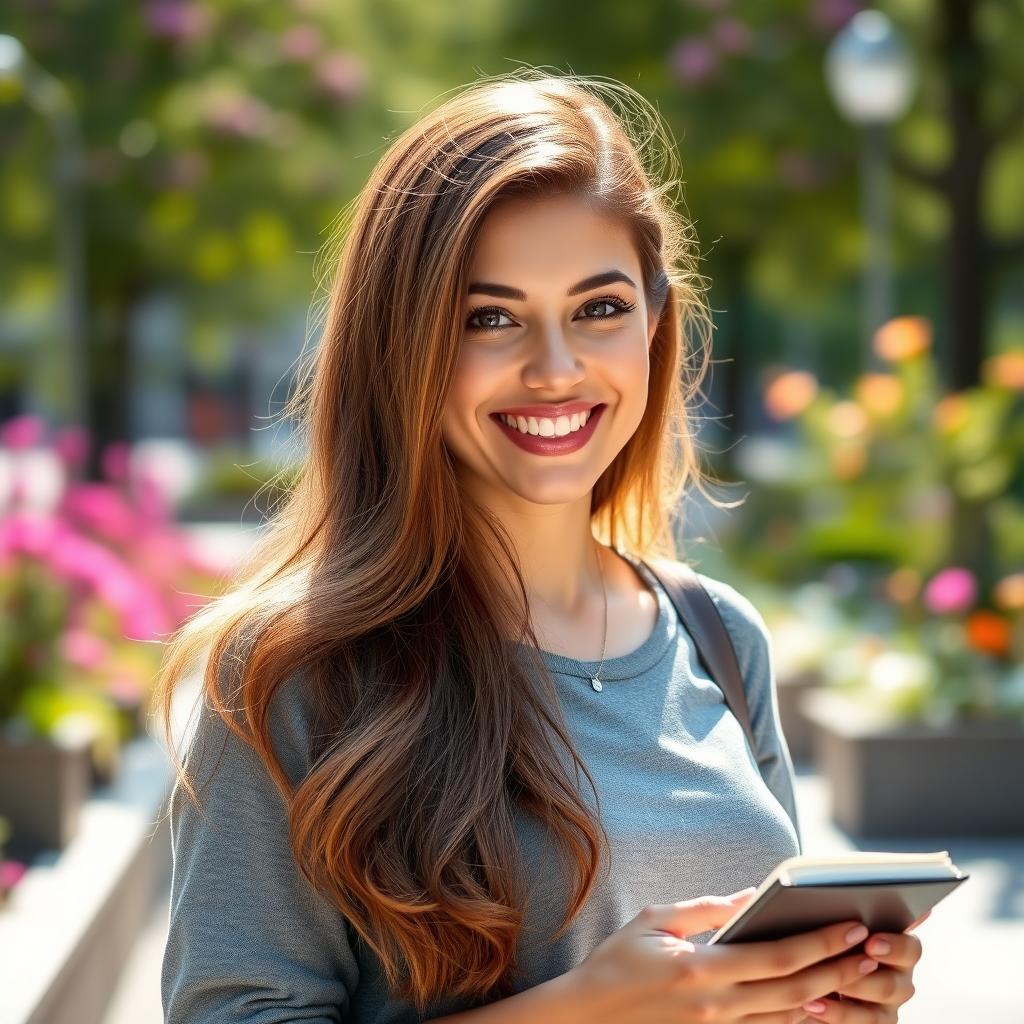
[(596, 684)]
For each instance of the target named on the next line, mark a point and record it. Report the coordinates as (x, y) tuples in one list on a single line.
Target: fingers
[(849, 1012), (795, 992), (887, 986), (751, 961), (903, 951)]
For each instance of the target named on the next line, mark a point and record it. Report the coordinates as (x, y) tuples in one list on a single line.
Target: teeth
[(545, 427)]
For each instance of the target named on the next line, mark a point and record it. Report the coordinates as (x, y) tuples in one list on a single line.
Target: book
[(888, 892)]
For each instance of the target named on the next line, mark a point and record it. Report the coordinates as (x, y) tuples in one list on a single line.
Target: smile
[(544, 436)]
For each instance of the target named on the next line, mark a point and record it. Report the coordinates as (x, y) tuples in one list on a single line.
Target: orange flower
[(847, 419), (903, 337), (1005, 370), (789, 394), (950, 414), (848, 461), (903, 585), (879, 393), (1009, 592), (988, 632)]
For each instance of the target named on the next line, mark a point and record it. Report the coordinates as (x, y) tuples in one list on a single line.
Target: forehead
[(550, 242)]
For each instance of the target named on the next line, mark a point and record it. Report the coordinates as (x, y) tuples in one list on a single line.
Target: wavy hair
[(387, 588)]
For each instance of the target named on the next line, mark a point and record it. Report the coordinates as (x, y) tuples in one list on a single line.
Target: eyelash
[(621, 306)]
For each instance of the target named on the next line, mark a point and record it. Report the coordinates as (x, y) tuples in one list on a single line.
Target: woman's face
[(555, 330)]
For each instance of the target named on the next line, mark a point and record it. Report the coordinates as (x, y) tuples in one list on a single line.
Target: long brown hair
[(381, 582)]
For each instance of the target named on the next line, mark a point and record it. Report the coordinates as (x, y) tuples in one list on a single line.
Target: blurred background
[(169, 170)]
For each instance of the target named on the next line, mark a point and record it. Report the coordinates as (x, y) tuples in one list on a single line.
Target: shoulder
[(745, 623)]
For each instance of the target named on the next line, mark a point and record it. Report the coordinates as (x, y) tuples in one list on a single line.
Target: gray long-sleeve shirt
[(685, 807)]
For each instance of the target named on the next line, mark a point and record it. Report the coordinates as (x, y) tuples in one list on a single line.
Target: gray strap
[(703, 621)]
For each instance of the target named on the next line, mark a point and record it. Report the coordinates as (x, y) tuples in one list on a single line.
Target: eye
[(490, 315), (619, 306)]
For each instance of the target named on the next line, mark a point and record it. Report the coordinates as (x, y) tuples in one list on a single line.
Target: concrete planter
[(795, 726), (42, 788), (909, 779)]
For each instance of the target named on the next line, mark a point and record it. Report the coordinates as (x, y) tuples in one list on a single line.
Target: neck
[(561, 561)]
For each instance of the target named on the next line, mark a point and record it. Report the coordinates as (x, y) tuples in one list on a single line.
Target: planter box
[(795, 726), (908, 779), (42, 788)]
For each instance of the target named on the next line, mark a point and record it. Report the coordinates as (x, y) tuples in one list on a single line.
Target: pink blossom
[(84, 649), (341, 74), (731, 35), (828, 16), (240, 114), (173, 19), (11, 873), (71, 445), (21, 432), (301, 42), (124, 688), (116, 461), (101, 509), (694, 59), (951, 590)]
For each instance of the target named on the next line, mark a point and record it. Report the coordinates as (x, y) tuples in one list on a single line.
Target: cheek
[(470, 389)]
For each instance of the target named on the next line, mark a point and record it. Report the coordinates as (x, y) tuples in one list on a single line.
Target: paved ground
[(972, 968)]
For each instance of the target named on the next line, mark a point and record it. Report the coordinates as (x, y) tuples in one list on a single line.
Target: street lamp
[(871, 77), (47, 95)]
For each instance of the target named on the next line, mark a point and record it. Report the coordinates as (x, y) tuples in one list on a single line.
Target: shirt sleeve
[(248, 939), (752, 642)]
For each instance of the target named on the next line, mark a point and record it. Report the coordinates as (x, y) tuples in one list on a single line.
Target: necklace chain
[(595, 678)]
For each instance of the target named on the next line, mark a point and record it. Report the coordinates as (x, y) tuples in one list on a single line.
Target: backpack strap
[(703, 621)]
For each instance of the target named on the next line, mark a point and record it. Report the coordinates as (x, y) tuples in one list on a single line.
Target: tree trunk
[(966, 263)]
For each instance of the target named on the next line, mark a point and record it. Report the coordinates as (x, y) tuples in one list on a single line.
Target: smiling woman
[(454, 615)]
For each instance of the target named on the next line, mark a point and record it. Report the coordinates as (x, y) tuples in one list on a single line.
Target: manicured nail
[(856, 934), (867, 966), (880, 946), (814, 1007)]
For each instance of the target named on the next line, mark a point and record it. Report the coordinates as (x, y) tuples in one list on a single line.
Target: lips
[(551, 412), (537, 445)]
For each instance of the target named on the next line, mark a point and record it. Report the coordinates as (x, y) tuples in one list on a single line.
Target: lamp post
[(47, 95), (870, 75)]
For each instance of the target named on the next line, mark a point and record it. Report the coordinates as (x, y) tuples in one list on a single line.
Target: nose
[(552, 363)]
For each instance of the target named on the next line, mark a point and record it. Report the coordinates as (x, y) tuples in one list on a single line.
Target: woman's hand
[(647, 972), (875, 999)]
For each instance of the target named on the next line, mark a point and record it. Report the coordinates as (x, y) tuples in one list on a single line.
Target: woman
[(452, 618)]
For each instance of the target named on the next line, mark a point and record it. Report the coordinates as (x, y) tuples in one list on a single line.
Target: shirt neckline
[(641, 659)]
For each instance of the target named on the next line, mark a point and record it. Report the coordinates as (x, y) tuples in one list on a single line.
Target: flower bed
[(94, 576)]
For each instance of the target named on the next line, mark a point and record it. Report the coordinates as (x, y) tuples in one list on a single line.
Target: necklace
[(595, 678)]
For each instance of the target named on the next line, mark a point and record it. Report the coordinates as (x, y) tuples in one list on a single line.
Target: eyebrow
[(505, 291)]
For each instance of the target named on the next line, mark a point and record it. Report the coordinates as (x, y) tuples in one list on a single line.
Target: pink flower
[(116, 461), (301, 42), (172, 19), (694, 60), (828, 16), (100, 509), (22, 432), (11, 873), (951, 590), (71, 445), (341, 74), (732, 35), (84, 649)]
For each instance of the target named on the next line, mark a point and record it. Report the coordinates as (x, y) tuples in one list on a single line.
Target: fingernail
[(814, 1007), (867, 966), (880, 946), (856, 934)]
